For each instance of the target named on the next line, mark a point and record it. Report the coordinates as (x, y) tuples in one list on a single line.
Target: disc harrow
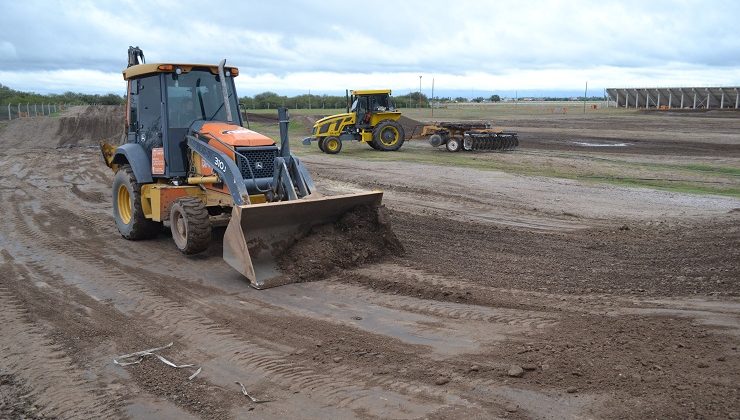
[(469, 136), (486, 140)]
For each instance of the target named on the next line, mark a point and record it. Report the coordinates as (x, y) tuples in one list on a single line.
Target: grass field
[(685, 175), (471, 111)]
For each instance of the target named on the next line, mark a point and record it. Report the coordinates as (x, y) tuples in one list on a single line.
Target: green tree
[(269, 100), (412, 100)]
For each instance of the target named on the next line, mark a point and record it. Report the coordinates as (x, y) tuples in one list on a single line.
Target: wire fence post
[(19, 110), (10, 117), (35, 111), (28, 113)]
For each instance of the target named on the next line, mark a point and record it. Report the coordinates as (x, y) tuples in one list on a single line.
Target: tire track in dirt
[(91, 333), (450, 310), (154, 309), (337, 386), (44, 366)]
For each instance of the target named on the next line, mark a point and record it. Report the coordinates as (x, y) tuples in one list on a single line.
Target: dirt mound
[(271, 118), (29, 132), (409, 125), (304, 122), (361, 236), (93, 124), (77, 126)]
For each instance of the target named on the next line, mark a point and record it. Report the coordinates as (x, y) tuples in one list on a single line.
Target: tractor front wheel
[(190, 225), (127, 210), (332, 145)]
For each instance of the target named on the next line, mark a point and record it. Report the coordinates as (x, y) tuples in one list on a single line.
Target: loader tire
[(190, 225), (321, 144), (127, 210), (388, 136), (332, 145)]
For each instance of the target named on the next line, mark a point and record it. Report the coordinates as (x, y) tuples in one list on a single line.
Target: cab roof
[(371, 92), (152, 68)]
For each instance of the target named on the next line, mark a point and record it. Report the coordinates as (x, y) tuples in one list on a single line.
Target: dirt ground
[(515, 296)]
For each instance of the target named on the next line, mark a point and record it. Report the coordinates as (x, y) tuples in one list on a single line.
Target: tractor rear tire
[(190, 225), (127, 210), (332, 145), (388, 136), (454, 144)]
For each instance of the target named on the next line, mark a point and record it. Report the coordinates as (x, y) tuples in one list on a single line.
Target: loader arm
[(257, 233), (224, 166)]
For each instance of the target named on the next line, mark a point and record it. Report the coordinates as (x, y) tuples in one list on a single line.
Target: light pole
[(419, 100)]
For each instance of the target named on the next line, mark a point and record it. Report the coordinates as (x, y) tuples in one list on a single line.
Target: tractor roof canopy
[(371, 92), (144, 69)]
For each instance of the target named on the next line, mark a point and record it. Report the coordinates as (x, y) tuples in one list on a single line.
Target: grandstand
[(672, 98)]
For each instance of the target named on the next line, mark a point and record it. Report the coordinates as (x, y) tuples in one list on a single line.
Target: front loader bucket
[(258, 233)]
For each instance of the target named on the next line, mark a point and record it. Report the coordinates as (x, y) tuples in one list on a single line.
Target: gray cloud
[(282, 38)]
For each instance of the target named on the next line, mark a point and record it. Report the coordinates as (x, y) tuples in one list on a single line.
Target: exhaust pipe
[(225, 90)]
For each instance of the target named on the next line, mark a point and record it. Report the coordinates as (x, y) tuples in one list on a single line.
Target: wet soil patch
[(15, 399), (361, 236), (664, 147)]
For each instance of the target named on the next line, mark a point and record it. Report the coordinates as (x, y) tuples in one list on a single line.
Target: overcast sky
[(326, 46)]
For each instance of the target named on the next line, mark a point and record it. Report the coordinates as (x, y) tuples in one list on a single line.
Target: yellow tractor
[(187, 161), (371, 118)]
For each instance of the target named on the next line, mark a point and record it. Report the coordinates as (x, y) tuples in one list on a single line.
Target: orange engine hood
[(234, 135)]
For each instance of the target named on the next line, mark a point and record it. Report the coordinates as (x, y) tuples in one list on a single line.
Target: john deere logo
[(258, 165)]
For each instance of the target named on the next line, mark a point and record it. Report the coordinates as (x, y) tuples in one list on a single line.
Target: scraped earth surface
[(516, 297)]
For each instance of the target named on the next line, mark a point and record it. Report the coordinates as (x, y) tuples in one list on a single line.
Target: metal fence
[(14, 111)]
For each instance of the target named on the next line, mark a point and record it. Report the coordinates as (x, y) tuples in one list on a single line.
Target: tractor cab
[(367, 102)]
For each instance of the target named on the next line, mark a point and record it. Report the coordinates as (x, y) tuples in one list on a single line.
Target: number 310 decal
[(219, 163)]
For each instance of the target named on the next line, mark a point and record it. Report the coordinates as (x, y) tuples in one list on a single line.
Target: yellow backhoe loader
[(188, 161)]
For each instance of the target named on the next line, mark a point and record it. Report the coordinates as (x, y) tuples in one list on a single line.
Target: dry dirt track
[(623, 306)]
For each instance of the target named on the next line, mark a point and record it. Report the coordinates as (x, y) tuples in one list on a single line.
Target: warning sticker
[(158, 161)]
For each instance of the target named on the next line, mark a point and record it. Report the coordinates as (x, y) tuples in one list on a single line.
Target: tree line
[(264, 100), (271, 100), (12, 96)]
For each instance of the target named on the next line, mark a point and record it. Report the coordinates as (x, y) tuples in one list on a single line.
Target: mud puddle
[(444, 337), (592, 143)]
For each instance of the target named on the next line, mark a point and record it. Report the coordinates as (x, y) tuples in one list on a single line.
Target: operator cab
[(165, 100), (365, 103)]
